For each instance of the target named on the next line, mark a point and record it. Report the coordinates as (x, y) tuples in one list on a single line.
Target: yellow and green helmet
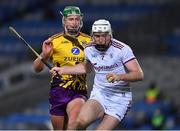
[(71, 10)]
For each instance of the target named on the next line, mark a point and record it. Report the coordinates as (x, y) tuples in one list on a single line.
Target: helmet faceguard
[(101, 26), (72, 10)]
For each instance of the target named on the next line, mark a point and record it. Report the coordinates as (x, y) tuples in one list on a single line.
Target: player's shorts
[(59, 97), (114, 104)]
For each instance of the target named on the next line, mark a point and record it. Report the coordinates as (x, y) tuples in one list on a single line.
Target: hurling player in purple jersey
[(68, 92)]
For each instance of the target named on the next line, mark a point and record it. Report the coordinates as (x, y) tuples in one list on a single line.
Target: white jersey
[(110, 61)]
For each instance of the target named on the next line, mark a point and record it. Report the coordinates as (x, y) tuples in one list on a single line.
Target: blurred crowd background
[(150, 27)]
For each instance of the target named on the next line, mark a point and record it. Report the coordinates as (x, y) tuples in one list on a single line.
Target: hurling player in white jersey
[(115, 66)]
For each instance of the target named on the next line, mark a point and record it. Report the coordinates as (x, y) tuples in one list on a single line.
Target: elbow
[(37, 70), (141, 76)]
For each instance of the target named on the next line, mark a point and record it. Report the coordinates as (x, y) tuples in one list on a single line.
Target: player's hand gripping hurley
[(22, 39)]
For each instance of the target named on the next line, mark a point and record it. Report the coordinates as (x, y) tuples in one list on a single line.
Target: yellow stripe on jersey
[(65, 53)]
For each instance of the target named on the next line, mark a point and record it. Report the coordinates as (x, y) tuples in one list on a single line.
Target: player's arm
[(46, 51), (135, 73), (81, 68)]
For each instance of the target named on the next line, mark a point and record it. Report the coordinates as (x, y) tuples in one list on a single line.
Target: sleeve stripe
[(129, 60), (117, 44)]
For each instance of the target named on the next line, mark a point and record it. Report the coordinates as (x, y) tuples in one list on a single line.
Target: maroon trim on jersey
[(117, 45), (128, 109), (129, 60)]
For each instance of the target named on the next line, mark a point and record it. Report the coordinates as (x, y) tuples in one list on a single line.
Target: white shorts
[(114, 104)]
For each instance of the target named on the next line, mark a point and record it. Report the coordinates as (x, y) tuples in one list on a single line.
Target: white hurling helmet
[(102, 25)]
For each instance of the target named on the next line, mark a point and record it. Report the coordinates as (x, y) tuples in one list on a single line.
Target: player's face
[(72, 24), (102, 38)]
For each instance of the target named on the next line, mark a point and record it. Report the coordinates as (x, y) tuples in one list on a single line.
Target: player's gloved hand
[(46, 48)]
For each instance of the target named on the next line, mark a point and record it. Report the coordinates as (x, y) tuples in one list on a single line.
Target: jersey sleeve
[(127, 54)]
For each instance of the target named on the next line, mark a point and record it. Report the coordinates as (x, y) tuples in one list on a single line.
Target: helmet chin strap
[(101, 47), (72, 31)]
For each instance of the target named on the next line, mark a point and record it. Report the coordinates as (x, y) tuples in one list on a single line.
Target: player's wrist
[(44, 57), (61, 70), (119, 77)]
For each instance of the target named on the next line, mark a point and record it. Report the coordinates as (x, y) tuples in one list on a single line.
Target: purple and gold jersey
[(67, 53)]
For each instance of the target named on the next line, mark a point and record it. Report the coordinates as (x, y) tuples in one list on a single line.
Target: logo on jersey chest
[(75, 51), (105, 68), (77, 59)]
